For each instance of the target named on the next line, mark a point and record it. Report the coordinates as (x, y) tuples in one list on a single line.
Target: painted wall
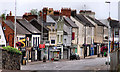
[(2, 37), (67, 38)]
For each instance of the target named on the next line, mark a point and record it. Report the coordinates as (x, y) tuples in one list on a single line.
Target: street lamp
[(108, 30)]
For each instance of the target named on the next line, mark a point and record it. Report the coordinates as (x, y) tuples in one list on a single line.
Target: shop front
[(54, 54), (65, 52)]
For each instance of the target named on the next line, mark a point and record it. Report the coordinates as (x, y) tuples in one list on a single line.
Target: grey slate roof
[(96, 21), (49, 19), (34, 21), (19, 28), (83, 20), (9, 23), (28, 26), (55, 17), (72, 24), (114, 24)]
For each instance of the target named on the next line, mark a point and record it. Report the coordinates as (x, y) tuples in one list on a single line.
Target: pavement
[(41, 62), (89, 63)]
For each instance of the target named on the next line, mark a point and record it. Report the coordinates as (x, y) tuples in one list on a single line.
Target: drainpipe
[(92, 40), (85, 42), (77, 40)]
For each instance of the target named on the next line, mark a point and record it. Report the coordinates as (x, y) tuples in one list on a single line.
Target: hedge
[(12, 50)]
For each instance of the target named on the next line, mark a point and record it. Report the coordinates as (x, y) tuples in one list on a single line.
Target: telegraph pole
[(15, 27), (108, 33), (85, 42)]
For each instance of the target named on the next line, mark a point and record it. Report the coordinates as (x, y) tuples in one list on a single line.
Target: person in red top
[(102, 50)]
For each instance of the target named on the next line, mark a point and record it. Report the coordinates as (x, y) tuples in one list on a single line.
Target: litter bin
[(24, 61)]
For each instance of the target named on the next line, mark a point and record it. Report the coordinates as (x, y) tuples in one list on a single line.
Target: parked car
[(74, 56)]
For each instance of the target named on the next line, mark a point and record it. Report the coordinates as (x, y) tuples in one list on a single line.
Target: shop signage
[(41, 45)]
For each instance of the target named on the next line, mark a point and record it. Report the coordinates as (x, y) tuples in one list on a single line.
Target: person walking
[(102, 50)]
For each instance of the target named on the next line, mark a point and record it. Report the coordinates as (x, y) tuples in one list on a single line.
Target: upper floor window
[(52, 41)]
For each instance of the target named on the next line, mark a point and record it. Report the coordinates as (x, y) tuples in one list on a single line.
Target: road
[(83, 64)]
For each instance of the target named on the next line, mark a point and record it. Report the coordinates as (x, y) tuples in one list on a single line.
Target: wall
[(2, 37), (9, 61), (80, 37), (99, 34), (114, 60), (80, 31), (75, 30), (9, 34), (52, 34), (88, 35), (68, 37)]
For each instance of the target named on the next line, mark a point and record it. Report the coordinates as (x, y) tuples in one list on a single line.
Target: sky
[(100, 8)]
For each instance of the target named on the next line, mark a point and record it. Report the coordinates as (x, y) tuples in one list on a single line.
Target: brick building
[(8, 29)]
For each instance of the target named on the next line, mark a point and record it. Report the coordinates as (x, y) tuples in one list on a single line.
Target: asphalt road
[(83, 64)]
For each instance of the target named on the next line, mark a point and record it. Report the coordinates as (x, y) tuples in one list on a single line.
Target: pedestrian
[(105, 54), (102, 50)]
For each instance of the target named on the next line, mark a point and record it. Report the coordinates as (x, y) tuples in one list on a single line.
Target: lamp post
[(108, 31), (15, 27)]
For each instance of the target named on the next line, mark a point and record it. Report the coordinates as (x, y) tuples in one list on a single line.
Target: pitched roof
[(71, 23), (55, 17), (36, 23), (49, 19), (19, 28), (9, 23), (96, 21), (114, 24), (84, 21), (28, 26)]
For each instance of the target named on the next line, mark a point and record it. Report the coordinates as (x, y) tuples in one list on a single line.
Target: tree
[(34, 12), (3, 16)]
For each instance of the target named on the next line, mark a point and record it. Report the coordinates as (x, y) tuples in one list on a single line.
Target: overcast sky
[(98, 6)]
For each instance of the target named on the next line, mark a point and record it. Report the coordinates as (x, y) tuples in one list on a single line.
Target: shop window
[(22, 38)]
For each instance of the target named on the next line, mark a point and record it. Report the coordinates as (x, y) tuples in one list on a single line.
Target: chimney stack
[(44, 14), (66, 12), (73, 13), (29, 16)]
